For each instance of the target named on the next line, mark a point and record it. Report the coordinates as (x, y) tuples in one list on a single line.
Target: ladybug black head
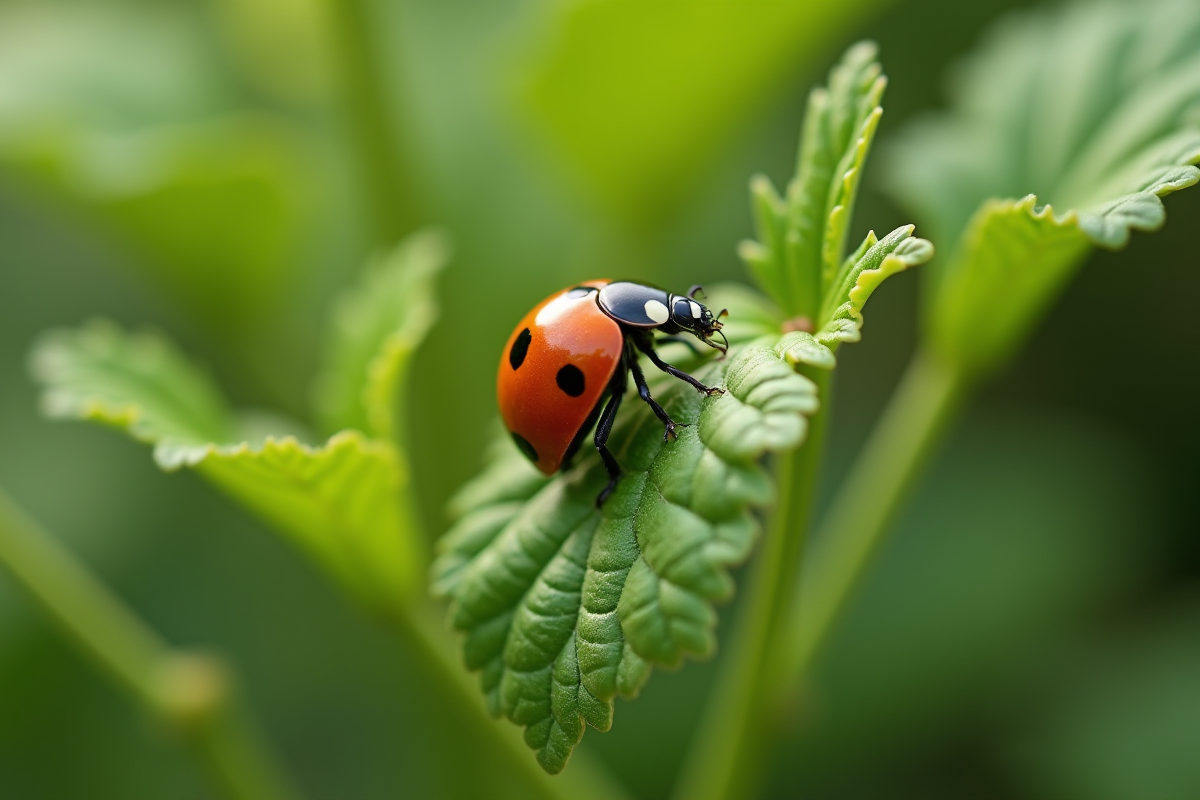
[(695, 318)]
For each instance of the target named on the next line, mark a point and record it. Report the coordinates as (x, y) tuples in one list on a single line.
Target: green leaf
[(802, 238), (376, 328), (346, 502), (139, 382), (638, 95), (1094, 106), (801, 347), (1021, 256), (564, 606), (860, 275)]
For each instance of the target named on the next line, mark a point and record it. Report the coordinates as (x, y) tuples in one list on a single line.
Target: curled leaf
[(860, 275)]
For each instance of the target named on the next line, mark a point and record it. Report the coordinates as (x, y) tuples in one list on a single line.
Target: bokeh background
[(1031, 629)]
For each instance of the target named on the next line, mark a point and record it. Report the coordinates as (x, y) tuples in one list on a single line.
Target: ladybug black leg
[(647, 347), (603, 429), (639, 380)]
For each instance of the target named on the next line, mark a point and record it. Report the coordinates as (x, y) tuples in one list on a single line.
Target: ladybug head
[(696, 319)]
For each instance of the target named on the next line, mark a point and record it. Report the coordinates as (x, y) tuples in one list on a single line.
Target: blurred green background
[(1032, 628)]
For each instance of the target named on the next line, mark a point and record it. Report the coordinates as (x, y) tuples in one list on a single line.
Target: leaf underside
[(1094, 106), (565, 607), (346, 502)]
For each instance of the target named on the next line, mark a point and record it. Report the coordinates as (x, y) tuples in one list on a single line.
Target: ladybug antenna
[(724, 313), (696, 290)]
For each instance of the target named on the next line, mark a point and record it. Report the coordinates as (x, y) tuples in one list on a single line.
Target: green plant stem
[(387, 174), (422, 624), (726, 755), (191, 693), (864, 506)]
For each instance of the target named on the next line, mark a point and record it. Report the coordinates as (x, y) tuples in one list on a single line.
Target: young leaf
[(345, 502), (377, 326), (803, 237), (874, 261), (1094, 107), (565, 606)]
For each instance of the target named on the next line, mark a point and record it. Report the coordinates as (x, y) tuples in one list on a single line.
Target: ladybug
[(567, 364)]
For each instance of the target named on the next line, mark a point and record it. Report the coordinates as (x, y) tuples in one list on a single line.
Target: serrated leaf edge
[(845, 321)]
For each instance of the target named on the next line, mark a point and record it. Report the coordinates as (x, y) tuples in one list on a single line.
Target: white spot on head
[(657, 311), (695, 310)]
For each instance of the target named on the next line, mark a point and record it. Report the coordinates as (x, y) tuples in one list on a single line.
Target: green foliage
[(346, 502), (564, 606), (168, 137), (861, 274), (376, 329), (1096, 107), (1020, 256), (803, 237), (139, 382), (798, 260), (635, 122)]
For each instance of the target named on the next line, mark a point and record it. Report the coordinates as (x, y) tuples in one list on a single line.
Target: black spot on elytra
[(525, 447), (520, 347), (570, 380)]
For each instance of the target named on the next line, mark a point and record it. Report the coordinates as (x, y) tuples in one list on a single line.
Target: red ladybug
[(566, 364)]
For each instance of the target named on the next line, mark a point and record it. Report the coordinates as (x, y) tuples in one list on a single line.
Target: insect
[(567, 364)]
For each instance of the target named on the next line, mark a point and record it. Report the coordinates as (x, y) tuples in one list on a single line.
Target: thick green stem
[(726, 757), (860, 513), (386, 172), (190, 693), (422, 625)]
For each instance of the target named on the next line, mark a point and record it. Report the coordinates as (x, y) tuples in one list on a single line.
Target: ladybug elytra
[(567, 364)]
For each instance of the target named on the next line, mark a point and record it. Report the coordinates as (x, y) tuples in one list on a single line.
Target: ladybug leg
[(639, 380), (647, 347), (603, 429)]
